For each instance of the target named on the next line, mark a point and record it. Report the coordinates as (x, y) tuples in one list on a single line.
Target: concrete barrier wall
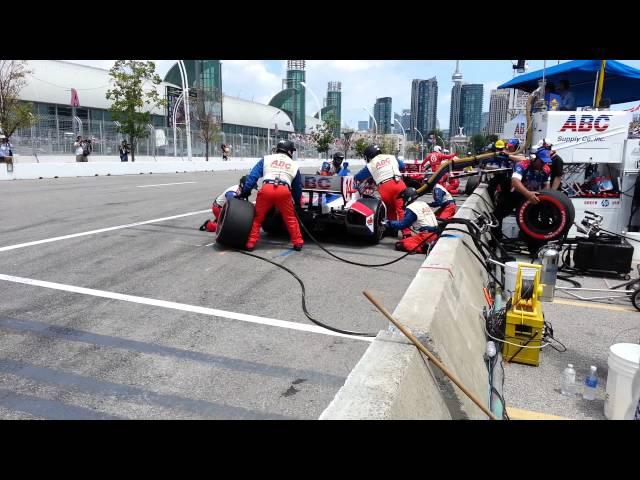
[(443, 308), (23, 170)]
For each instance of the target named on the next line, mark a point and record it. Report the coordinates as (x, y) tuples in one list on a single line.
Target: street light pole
[(404, 141), (175, 109), (374, 121), (269, 132), (421, 144), (315, 98), (187, 114)]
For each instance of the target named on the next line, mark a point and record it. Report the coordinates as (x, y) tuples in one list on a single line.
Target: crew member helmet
[(286, 147), (371, 152)]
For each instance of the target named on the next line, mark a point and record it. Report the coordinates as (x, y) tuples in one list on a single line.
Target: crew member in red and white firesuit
[(218, 203), (419, 219), (435, 158), (385, 171), (281, 187), (444, 202)]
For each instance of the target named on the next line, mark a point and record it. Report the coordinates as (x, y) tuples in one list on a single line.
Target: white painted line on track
[(163, 184), (181, 306), (91, 232)]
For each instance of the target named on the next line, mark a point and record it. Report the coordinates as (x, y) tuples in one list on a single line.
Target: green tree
[(412, 149), (14, 114), (323, 136), (131, 102), (359, 145), (478, 141), (491, 139), (387, 146)]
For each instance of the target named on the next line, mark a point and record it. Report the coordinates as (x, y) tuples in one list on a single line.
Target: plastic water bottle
[(590, 385), (568, 381)]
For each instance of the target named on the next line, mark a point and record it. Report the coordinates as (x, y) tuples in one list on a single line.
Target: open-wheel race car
[(326, 203)]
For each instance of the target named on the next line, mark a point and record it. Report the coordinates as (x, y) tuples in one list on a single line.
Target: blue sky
[(362, 80)]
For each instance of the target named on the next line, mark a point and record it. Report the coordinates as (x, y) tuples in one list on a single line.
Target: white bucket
[(510, 227), (623, 361), (510, 273), (634, 240)]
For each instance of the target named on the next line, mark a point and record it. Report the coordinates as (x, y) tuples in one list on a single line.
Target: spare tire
[(471, 185), (235, 222), (548, 220)]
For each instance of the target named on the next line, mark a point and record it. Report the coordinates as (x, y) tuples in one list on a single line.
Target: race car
[(327, 202)]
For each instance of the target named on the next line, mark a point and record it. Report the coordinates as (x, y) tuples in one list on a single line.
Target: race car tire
[(235, 222), (380, 216), (273, 223), (471, 185), (548, 220)]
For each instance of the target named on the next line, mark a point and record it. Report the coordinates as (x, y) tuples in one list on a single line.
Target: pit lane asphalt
[(69, 355)]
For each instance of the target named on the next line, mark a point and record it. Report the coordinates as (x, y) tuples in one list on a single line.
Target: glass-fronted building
[(69, 99), (292, 97), (383, 114), (471, 108), (334, 102), (424, 106)]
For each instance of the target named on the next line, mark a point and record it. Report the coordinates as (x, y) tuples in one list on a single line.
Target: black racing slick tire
[(548, 220), (380, 216), (273, 223), (471, 185), (235, 223), (635, 299)]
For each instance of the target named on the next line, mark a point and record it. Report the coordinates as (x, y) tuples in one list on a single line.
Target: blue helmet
[(326, 167), (513, 142)]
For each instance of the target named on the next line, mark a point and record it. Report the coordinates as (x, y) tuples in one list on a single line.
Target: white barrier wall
[(443, 308), (23, 170)]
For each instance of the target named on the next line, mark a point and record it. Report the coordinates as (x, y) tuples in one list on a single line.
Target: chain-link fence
[(55, 135)]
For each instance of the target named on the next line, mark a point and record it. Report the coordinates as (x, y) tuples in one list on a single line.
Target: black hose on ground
[(304, 299)]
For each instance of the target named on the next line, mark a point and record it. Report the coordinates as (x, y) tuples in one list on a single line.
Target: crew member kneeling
[(385, 171), (444, 202), (281, 187), (218, 203), (419, 219)]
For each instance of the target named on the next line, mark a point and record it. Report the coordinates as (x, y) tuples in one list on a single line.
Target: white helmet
[(437, 148), (445, 151)]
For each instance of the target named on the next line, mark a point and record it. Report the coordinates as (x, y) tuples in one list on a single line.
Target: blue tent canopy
[(621, 82)]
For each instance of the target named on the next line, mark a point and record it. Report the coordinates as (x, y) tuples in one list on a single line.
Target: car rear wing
[(328, 184)]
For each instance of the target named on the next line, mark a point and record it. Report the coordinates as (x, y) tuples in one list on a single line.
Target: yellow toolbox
[(525, 321)]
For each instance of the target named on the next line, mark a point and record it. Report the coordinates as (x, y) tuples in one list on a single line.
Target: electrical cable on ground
[(304, 301)]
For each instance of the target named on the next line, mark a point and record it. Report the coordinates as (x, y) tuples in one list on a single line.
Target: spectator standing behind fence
[(6, 154), (78, 145), (225, 152), (124, 151)]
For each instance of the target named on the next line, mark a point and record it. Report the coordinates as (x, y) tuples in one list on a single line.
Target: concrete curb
[(443, 308)]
